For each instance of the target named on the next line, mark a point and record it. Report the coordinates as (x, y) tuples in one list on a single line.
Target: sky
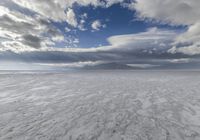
[(99, 34)]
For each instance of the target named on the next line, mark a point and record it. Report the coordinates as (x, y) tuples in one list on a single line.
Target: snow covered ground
[(100, 105)]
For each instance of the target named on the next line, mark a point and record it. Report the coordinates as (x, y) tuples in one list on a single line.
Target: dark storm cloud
[(115, 59), (12, 25), (21, 30), (32, 41)]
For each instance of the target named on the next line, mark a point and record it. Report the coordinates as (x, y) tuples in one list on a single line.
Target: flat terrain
[(100, 105)]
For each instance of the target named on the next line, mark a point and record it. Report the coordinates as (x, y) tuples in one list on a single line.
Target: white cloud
[(149, 40), (84, 16), (81, 25), (67, 29), (51, 9), (55, 9), (20, 32), (76, 41), (36, 26), (181, 60), (153, 37), (178, 12), (96, 25), (72, 65), (192, 34), (142, 65), (31, 32), (189, 50), (188, 42), (82, 22), (111, 2), (4, 10), (15, 46), (58, 38), (71, 18)]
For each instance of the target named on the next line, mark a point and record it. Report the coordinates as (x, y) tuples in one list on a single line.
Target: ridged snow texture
[(100, 105)]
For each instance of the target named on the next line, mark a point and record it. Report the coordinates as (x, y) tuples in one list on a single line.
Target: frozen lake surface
[(100, 105)]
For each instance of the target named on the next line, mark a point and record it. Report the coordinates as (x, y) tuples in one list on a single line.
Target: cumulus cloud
[(81, 25), (67, 29), (97, 25), (27, 25), (21, 31), (111, 2), (71, 18), (51, 9), (193, 49), (30, 36), (179, 12), (123, 49), (56, 9)]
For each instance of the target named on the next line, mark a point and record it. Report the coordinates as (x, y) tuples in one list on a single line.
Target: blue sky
[(52, 34), (118, 20)]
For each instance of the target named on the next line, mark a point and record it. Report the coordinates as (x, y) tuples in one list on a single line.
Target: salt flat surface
[(100, 105)]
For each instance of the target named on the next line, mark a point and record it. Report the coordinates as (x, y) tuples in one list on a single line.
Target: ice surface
[(100, 105)]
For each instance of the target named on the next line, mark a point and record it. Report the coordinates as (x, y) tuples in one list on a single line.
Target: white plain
[(100, 105)]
